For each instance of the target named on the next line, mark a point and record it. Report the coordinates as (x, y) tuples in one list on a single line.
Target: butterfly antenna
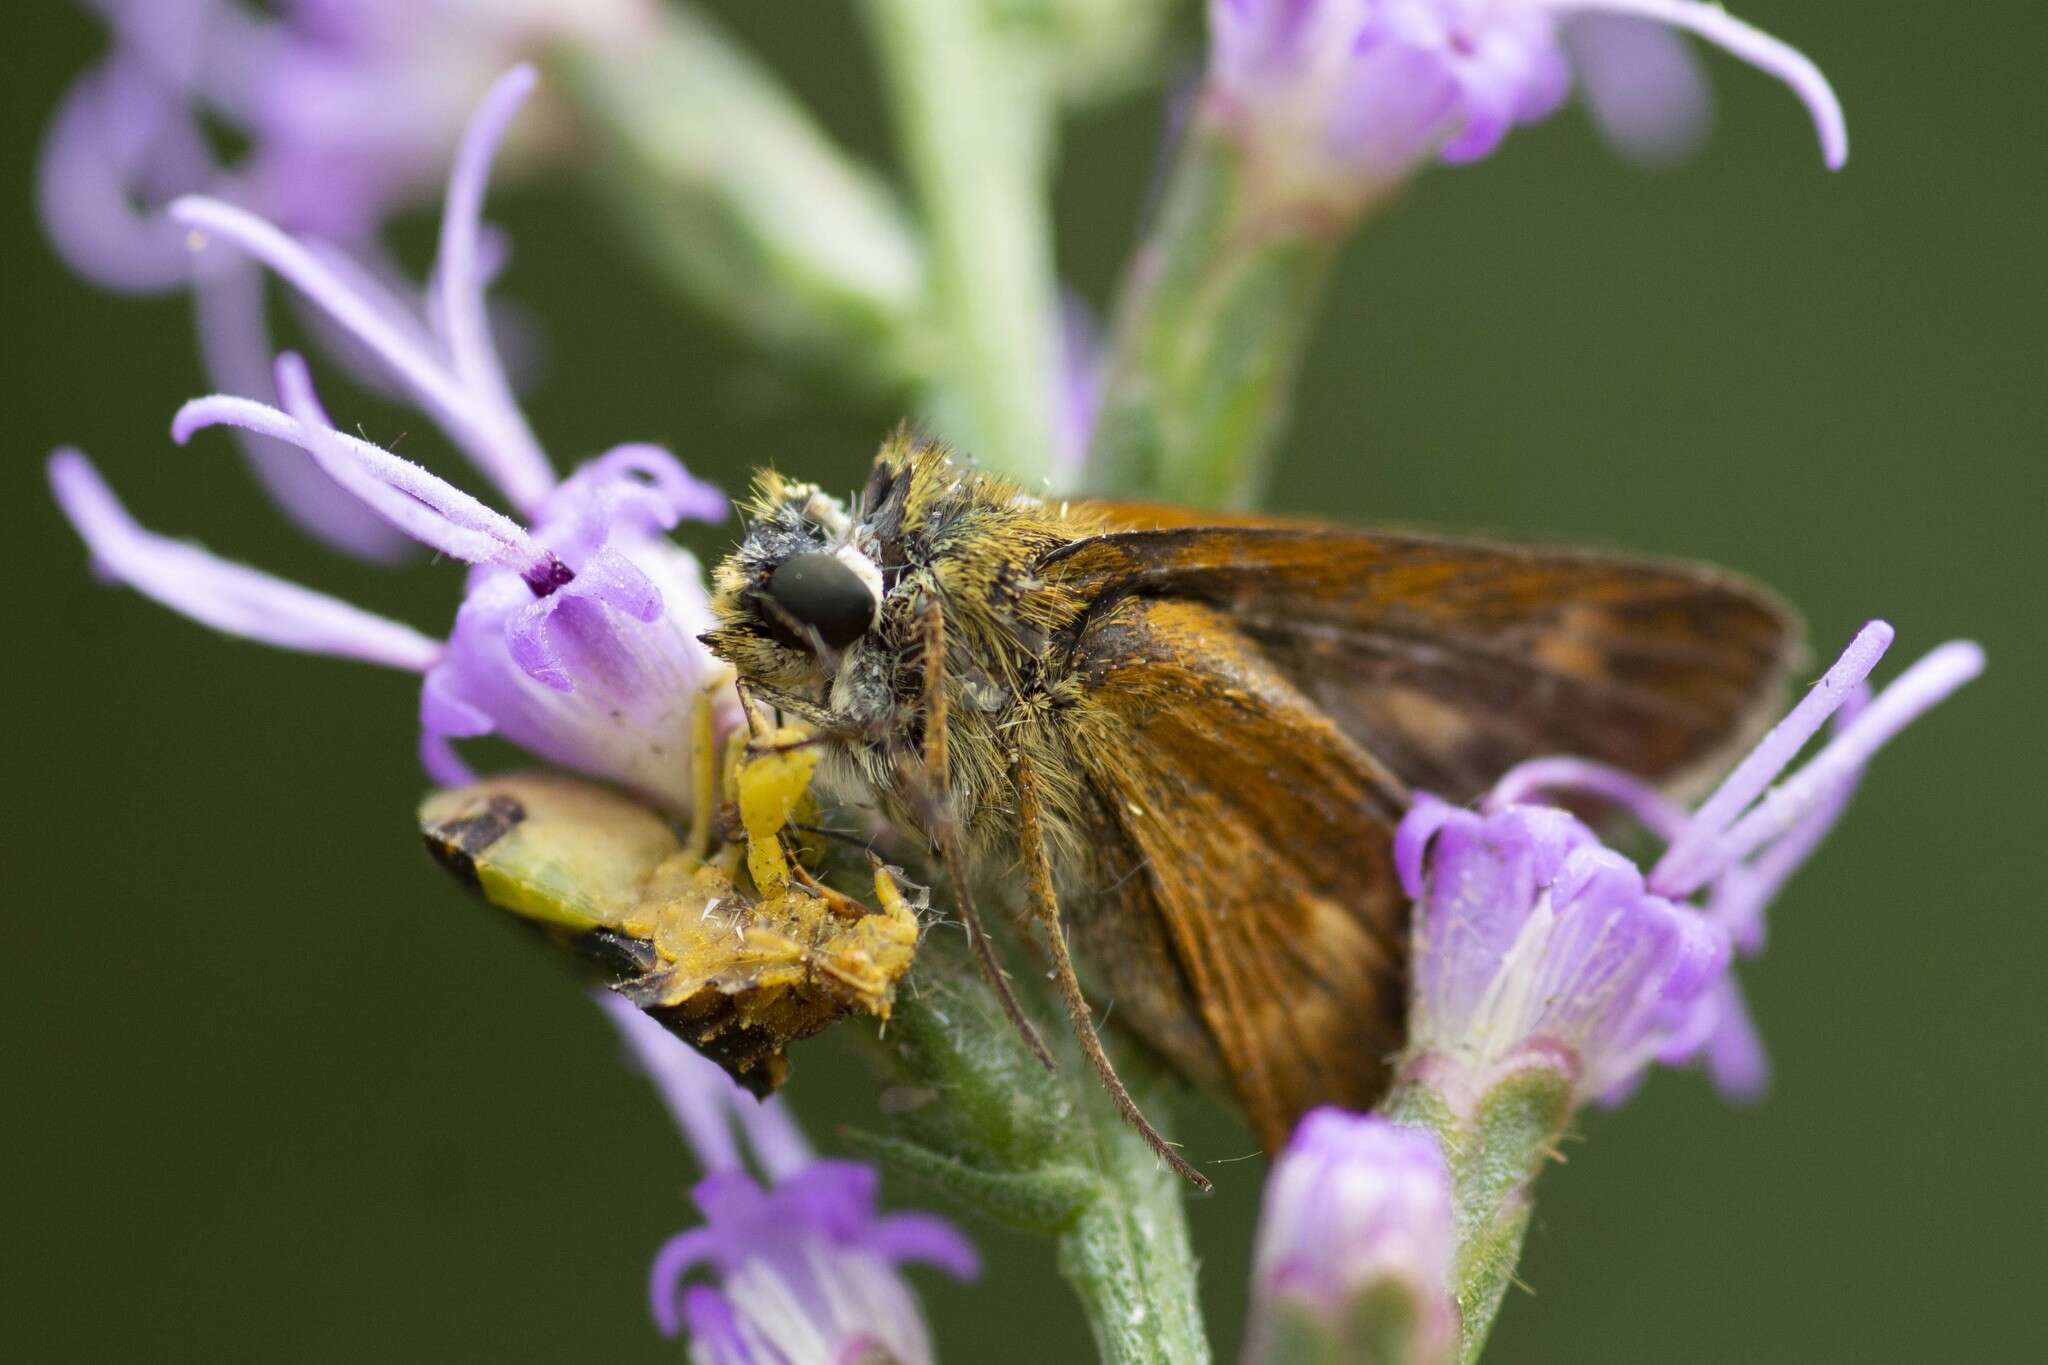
[(1045, 905)]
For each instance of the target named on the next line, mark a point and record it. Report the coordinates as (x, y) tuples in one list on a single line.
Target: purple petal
[(229, 597), (493, 435), (1736, 1061), (834, 1197), (445, 716), (425, 507), (698, 1094), (715, 1330), (1525, 782), (1484, 880), (235, 342), (616, 581), (1355, 1205), (116, 126), (460, 269), (1752, 45), (928, 1240), (1396, 104), (1412, 836), (528, 638), (1920, 688), (690, 497), (586, 686), (1642, 84), (666, 1297), (1686, 865)]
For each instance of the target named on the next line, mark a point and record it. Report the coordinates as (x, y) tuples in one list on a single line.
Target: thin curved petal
[(1769, 55), (929, 1239), (227, 596), (1642, 84), (235, 343)]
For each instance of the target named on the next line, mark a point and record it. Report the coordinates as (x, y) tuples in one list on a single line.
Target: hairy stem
[(1495, 1148), (1216, 309), (978, 1118), (1128, 1258)]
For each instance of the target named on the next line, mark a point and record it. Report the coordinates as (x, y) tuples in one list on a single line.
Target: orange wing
[(1264, 697), (1258, 836)]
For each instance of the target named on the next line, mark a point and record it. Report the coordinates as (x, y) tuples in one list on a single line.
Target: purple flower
[(1536, 944), (577, 633), (1081, 374), (793, 1265), (1355, 1234), (1346, 98), (350, 110)]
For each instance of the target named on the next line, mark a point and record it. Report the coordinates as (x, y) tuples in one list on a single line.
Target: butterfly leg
[(944, 824), (1045, 908)]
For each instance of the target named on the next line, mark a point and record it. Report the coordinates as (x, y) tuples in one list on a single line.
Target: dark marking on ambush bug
[(456, 844)]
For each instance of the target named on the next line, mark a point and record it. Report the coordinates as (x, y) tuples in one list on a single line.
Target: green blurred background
[(273, 1089)]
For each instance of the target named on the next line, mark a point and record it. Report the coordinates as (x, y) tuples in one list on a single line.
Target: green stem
[(979, 1119), (1495, 1151), (1128, 1258), (974, 115), (1216, 311), (744, 205)]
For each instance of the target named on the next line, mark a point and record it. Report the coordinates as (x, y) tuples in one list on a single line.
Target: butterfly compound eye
[(816, 592)]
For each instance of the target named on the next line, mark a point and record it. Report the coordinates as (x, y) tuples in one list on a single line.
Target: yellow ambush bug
[(732, 944)]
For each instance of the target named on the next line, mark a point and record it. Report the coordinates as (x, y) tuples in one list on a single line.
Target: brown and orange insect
[(1195, 734)]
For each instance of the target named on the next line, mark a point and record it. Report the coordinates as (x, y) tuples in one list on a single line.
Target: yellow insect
[(740, 957)]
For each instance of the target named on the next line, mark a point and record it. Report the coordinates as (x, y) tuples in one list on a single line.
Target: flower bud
[(1354, 1248)]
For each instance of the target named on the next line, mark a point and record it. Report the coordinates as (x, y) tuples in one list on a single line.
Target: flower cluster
[(349, 112), (577, 633), (349, 109), (1345, 98), (802, 1266), (1536, 945)]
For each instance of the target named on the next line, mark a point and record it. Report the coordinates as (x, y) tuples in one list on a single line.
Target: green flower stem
[(1128, 1258), (745, 205), (979, 1119), (974, 114), (1216, 310), (1496, 1148)]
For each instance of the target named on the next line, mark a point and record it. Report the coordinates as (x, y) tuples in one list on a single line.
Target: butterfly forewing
[(1451, 660)]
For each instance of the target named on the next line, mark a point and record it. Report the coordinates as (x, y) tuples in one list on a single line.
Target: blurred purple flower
[(1535, 944), (1349, 97), (1355, 1234), (577, 633), (802, 1268), (1080, 376), (350, 110)]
